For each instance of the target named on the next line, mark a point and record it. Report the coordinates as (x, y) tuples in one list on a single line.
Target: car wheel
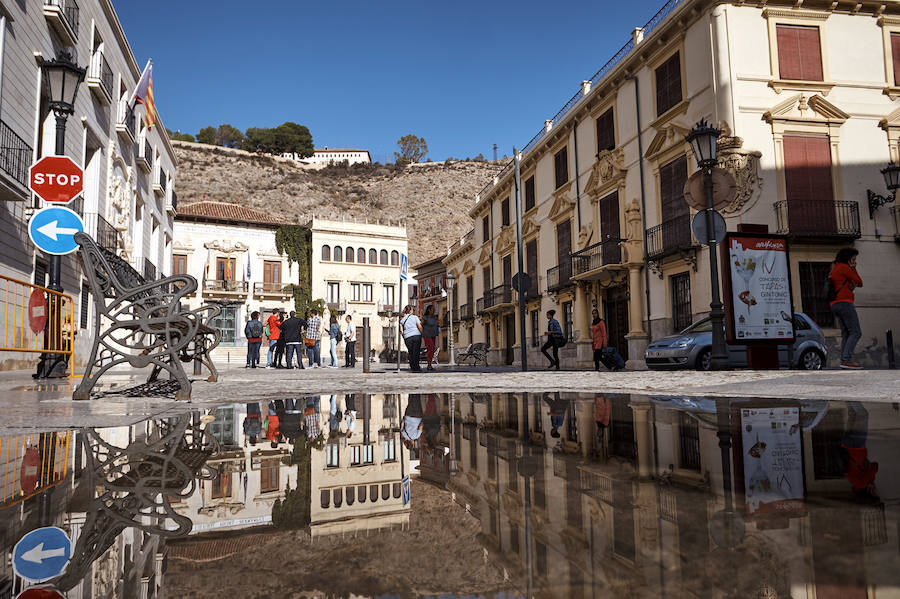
[(811, 360), (704, 360)]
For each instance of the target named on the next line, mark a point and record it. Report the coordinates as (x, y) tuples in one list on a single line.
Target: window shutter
[(895, 55), (504, 207), (672, 177), (807, 178), (563, 241), (799, 52), (529, 193), (668, 84), (561, 167), (606, 139)]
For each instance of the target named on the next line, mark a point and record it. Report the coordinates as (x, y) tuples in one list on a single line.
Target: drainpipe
[(637, 108), (577, 186)]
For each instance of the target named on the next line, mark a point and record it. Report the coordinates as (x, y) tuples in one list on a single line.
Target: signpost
[(29, 473), (42, 554), (56, 179), (53, 230), (37, 311), (405, 487), (404, 272), (700, 230)]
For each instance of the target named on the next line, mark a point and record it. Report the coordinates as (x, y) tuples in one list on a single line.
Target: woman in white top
[(412, 336)]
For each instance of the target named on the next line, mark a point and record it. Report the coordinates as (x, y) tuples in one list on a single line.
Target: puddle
[(463, 495)]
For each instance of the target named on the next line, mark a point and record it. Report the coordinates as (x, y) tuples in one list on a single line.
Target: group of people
[(603, 352), (286, 334)]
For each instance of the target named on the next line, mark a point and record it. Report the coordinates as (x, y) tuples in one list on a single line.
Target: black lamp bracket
[(876, 201)]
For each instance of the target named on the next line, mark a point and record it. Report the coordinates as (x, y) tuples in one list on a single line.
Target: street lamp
[(703, 138), (451, 281), (891, 174)]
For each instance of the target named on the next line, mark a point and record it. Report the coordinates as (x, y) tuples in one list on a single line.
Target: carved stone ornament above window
[(608, 172), (563, 204), (226, 247), (468, 268), (506, 239), (743, 166), (179, 245), (529, 228), (805, 108), (485, 256), (668, 137)]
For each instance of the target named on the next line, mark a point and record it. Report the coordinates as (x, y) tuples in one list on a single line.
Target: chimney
[(585, 88), (637, 35), (548, 124)]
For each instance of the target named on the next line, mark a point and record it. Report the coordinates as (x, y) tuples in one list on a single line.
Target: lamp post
[(891, 174), (451, 281), (703, 138)]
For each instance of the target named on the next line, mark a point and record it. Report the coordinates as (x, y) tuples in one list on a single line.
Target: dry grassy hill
[(433, 199)]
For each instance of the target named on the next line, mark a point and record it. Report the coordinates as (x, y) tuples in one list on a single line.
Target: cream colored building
[(356, 270), (326, 156), (605, 222)]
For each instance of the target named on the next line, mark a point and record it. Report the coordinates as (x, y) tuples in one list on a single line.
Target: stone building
[(432, 291), (129, 201), (806, 128), (326, 156)]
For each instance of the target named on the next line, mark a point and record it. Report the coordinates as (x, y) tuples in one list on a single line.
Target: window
[(531, 266), (332, 455), (367, 292), (225, 269), (390, 451), (373, 256), (383, 257), (355, 293), (808, 184), (689, 442), (799, 52), (387, 295), (535, 328), (179, 264), (397, 490), (814, 305), (338, 254), (395, 258), (326, 253), (485, 228), (561, 167), (568, 321), (361, 256), (487, 334), (325, 499), (221, 486), (470, 292), (369, 454), (373, 493), (85, 302), (681, 301), (272, 272), (563, 244), (348, 254), (895, 56), (355, 455), (486, 280), (672, 177), (606, 132), (268, 475), (504, 211), (529, 193), (668, 84), (333, 295)]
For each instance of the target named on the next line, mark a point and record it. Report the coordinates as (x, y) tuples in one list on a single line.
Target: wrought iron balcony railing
[(388, 308), (101, 72), (560, 276), (125, 122), (270, 288), (148, 269), (102, 231), (595, 256), (501, 294), (479, 306), (70, 13), (15, 155), (670, 237), (466, 311), (223, 286), (338, 306), (824, 219)]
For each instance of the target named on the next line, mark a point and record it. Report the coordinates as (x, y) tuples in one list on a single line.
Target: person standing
[(274, 332), (290, 332), (279, 346), (599, 339), (412, 337), (845, 280), (350, 349), (253, 331), (334, 332), (555, 340), (431, 328), (313, 337)]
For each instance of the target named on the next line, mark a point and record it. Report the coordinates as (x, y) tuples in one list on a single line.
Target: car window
[(800, 323), (704, 326)]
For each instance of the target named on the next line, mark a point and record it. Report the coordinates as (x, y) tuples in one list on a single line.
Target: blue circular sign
[(42, 554), (53, 230)]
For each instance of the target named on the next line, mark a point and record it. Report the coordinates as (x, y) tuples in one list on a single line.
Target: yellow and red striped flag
[(143, 93)]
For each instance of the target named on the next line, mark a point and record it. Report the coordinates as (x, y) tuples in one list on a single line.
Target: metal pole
[(719, 357), (399, 326), (889, 338), (55, 265), (450, 332), (521, 260), (366, 342)]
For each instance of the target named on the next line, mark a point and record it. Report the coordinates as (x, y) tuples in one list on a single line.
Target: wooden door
[(616, 311), (807, 181), (507, 269), (271, 272), (610, 229), (225, 269)]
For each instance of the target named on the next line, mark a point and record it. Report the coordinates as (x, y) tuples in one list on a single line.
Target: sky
[(463, 75)]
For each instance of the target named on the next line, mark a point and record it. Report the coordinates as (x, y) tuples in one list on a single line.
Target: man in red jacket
[(845, 279), (274, 333)]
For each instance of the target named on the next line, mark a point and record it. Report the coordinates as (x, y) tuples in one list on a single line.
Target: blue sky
[(463, 75)]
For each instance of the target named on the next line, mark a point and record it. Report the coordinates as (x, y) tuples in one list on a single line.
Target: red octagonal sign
[(56, 179)]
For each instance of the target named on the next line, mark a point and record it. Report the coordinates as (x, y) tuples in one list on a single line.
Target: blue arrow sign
[(404, 266), (53, 229), (42, 554)]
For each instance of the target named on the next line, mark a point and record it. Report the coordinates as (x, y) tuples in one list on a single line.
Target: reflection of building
[(605, 220)]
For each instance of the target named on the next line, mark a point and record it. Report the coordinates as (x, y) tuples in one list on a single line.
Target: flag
[(143, 93), (248, 266), (206, 271)]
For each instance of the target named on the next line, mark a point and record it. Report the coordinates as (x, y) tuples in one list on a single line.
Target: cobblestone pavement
[(26, 404)]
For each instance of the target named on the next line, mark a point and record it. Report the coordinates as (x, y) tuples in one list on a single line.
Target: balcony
[(589, 263), (125, 122), (671, 237), (445, 319), (159, 184), (500, 296), (465, 312), (818, 220), (895, 212), (15, 157), (63, 17), (560, 276), (145, 154), (146, 268), (223, 287), (269, 289), (171, 203), (100, 79), (479, 306), (338, 306), (102, 231), (387, 309), (432, 291)]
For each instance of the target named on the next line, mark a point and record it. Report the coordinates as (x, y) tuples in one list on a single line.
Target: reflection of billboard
[(773, 468)]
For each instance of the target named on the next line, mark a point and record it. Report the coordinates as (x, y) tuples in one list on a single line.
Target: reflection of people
[(557, 413), (350, 414), (253, 423), (273, 434), (336, 416), (290, 419), (431, 421), (311, 417), (859, 471), (411, 426)]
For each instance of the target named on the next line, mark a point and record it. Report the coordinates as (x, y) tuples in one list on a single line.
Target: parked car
[(692, 347)]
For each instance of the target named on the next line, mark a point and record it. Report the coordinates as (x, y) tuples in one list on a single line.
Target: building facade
[(806, 128), (432, 291), (129, 202), (326, 156)]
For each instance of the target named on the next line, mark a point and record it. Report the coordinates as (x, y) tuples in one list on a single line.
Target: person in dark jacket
[(253, 423), (279, 344), (253, 331), (292, 336)]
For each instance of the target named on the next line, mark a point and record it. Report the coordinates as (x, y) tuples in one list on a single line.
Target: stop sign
[(56, 179)]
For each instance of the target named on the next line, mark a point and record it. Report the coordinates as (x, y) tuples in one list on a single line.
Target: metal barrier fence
[(37, 320), (32, 463)]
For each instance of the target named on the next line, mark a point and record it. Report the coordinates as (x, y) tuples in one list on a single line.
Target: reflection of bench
[(477, 352), (147, 325)]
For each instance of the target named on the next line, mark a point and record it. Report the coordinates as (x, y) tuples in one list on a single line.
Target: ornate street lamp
[(703, 139), (451, 281), (891, 174)]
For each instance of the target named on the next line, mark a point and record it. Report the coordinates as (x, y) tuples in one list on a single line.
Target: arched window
[(338, 495), (326, 498), (361, 256), (385, 491), (373, 493), (361, 493), (350, 495), (373, 256), (348, 254), (395, 258), (338, 254), (396, 491), (326, 253), (383, 257)]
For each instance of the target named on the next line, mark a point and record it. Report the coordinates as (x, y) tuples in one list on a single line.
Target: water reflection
[(535, 495)]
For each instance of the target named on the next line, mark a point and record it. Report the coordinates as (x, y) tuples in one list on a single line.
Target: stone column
[(638, 339), (643, 438), (581, 320)]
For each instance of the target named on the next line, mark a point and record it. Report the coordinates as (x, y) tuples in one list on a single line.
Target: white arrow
[(52, 230), (38, 555)]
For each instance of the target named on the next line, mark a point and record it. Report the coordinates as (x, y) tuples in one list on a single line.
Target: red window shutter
[(672, 177), (895, 55), (807, 178), (799, 52)]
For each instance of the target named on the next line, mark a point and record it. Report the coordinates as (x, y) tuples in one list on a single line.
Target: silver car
[(692, 347)]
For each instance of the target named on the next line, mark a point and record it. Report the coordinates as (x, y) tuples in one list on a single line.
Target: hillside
[(433, 199)]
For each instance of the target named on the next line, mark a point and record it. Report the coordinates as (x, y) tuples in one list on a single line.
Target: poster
[(773, 465), (760, 297)]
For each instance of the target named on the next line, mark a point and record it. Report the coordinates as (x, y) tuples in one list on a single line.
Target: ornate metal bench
[(477, 352), (145, 322)]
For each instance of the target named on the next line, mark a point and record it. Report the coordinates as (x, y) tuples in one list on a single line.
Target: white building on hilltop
[(323, 157)]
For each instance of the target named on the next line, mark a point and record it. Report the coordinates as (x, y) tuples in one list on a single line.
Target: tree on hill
[(228, 136), (207, 135), (287, 137), (412, 149), (179, 136)]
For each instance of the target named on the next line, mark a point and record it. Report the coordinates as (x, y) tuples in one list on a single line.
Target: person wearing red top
[(274, 325), (845, 279), (599, 338)]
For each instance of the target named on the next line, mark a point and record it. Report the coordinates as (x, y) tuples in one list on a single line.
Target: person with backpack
[(842, 281), (555, 340), (599, 338), (253, 331), (334, 331)]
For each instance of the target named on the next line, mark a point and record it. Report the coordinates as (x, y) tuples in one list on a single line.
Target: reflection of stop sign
[(37, 311), (31, 470), (56, 179), (40, 593)]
